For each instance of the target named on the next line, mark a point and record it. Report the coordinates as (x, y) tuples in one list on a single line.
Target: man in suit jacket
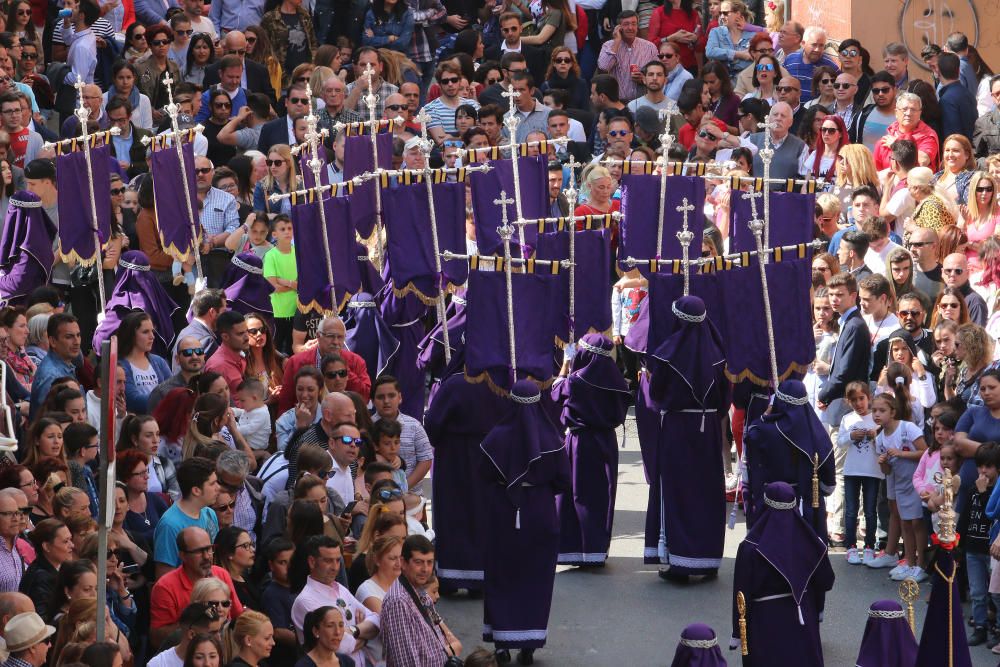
[(279, 130), (852, 356), (510, 28), (256, 78), (151, 12)]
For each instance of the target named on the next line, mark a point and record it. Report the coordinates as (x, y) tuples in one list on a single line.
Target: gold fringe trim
[(75, 258), (500, 391), (314, 306), (159, 142), (75, 144), (795, 367)]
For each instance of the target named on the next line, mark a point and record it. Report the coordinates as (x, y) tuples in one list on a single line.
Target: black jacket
[(851, 358), (986, 136), (534, 57), (38, 582), (137, 152), (273, 132), (258, 79)]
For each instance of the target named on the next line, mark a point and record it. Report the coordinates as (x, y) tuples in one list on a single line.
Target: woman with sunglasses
[(263, 360), (729, 43), (280, 179), (950, 305), (19, 22), (822, 83), (854, 61), (765, 77), (136, 46), (979, 217), (234, 552), (220, 106), (152, 69), (217, 593), (564, 74), (200, 54), (821, 161)]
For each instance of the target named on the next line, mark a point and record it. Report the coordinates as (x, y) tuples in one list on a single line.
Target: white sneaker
[(852, 557), (868, 558), (917, 574), (883, 559), (900, 572)]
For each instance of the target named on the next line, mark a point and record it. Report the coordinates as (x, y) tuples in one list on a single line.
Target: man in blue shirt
[(958, 44), (958, 105), (199, 491), (803, 63), (64, 348)]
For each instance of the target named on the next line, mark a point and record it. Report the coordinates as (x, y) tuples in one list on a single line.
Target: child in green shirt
[(281, 271)]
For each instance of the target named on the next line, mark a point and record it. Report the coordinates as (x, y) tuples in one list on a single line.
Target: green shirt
[(279, 264)]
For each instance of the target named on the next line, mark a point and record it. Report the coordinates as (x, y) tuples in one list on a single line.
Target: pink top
[(976, 234), (927, 467)]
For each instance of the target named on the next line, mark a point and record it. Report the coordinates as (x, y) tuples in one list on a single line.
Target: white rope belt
[(703, 412)]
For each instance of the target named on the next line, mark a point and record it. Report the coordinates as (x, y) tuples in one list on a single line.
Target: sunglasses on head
[(385, 495), (192, 351), (333, 375)]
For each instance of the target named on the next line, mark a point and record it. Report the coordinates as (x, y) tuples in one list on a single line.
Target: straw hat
[(25, 630)]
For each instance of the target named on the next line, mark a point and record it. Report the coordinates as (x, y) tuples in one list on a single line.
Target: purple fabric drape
[(26, 255), (173, 217), (641, 205), (310, 258), (358, 159), (308, 181), (791, 218), (247, 290), (486, 187), (592, 289), (410, 244), (76, 216)]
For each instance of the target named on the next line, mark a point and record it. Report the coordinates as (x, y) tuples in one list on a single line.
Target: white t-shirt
[(902, 438), (876, 259), (168, 658), (880, 329), (145, 380), (369, 589), (861, 459)]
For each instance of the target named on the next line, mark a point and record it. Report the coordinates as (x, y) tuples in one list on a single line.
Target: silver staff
[(686, 236), (571, 195), (314, 137), (506, 231), (512, 121)]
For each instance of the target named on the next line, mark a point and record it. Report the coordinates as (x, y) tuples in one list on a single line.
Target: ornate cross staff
[(83, 114), (512, 121), (666, 141), (371, 101), (757, 227), (314, 136), (175, 138), (766, 156), (571, 195), (686, 237), (506, 232)]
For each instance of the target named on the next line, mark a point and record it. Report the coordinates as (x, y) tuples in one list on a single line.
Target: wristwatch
[(355, 632)]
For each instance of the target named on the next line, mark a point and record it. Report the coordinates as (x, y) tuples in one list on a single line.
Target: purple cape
[(486, 188), (26, 255), (791, 220), (781, 445), (247, 290), (173, 217), (310, 258), (783, 571), (76, 216), (137, 289), (371, 279), (592, 290), (524, 466), (694, 350), (666, 288), (933, 651), (888, 640), (640, 206), (431, 359), (404, 315), (370, 337), (698, 647), (358, 159)]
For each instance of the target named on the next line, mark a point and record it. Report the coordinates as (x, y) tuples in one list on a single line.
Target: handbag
[(451, 660)]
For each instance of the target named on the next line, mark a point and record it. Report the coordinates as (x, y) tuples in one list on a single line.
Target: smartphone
[(349, 508), (130, 569)]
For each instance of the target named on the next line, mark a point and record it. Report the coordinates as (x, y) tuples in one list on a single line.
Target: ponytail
[(899, 377)]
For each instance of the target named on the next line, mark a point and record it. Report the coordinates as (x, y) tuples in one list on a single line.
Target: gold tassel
[(815, 481), (741, 607)]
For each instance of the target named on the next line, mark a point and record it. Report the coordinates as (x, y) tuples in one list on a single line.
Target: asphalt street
[(624, 614)]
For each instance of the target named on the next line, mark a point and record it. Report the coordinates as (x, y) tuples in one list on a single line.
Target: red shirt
[(231, 365), (922, 135), (686, 134), (19, 145), (662, 26), (172, 593), (357, 375)]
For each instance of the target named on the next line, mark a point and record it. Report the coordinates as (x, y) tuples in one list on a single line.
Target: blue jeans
[(854, 487), (978, 568)]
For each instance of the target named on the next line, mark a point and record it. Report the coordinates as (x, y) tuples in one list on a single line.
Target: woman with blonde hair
[(280, 179), (974, 352), (599, 185), (931, 210), (81, 611), (957, 162), (250, 639), (855, 168), (382, 521), (774, 16), (207, 419), (979, 215), (397, 69), (316, 79)]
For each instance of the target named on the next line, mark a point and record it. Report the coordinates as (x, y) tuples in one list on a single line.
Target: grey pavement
[(624, 614)]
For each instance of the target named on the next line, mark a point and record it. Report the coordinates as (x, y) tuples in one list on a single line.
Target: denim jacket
[(135, 400), (400, 26)]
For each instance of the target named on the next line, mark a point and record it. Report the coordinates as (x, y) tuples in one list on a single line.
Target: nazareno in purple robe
[(698, 647), (888, 640), (458, 418), (524, 466), (933, 650), (783, 571), (26, 254), (595, 400), (781, 445), (431, 359), (686, 514), (404, 315), (369, 337), (247, 290)]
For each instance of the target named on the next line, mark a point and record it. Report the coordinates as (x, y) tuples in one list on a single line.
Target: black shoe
[(668, 575), (526, 656), (503, 656), (992, 642), (978, 636)]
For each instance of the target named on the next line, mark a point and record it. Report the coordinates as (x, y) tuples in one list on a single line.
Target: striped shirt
[(620, 65), (11, 567), (219, 212), (443, 116), (102, 28), (384, 90)]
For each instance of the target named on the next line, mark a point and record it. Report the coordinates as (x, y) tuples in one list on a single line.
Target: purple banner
[(305, 156), (310, 259), (640, 208), (358, 159), (665, 288), (76, 216), (592, 288), (410, 243), (486, 187), (173, 216), (792, 217)]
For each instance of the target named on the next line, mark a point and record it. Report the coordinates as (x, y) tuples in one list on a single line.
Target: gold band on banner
[(728, 262), (310, 196), (76, 144), (498, 152), (159, 142), (590, 222), (414, 176), (491, 264), (704, 169), (361, 129)]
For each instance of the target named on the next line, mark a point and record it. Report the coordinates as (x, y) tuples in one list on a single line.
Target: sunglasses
[(919, 244), (618, 133), (139, 35), (201, 171), (222, 105), (192, 352), (396, 107), (160, 42), (953, 272), (843, 86), (948, 305), (204, 551), (829, 130), (881, 91), (984, 188), (25, 511), (236, 52), (274, 163), (386, 495), (225, 507), (184, 33), (449, 81), (765, 67), (493, 81), (225, 604), (825, 82), (705, 134), (667, 56), (299, 100), (850, 53), (911, 313), (117, 553), (350, 440), (724, 13), (24, 12), (563, 61), (29, 56), (332, 375), (256, 331), (453, 144), (115, 192), (785, 89)]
